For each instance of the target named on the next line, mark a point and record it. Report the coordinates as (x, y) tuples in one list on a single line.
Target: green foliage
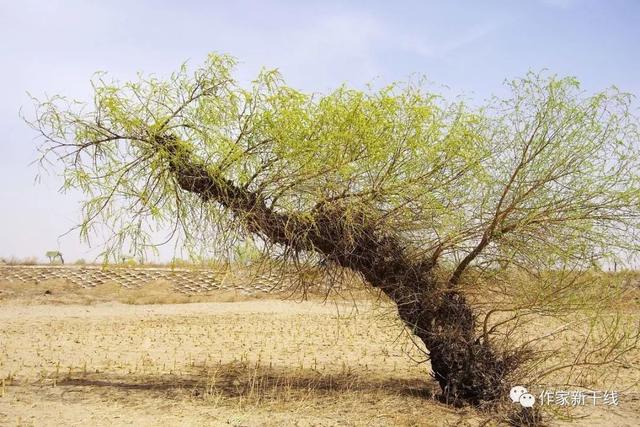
[(546, 178)]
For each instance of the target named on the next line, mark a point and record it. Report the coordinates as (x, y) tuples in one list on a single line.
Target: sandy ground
[(244, 363)]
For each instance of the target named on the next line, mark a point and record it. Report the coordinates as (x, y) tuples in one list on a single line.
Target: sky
[(470, 47)]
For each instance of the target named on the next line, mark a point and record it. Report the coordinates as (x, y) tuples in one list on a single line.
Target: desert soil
[(70, 358)]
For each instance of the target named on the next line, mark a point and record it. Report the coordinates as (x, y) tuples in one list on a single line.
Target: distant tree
[(416, 194), (55, 255)]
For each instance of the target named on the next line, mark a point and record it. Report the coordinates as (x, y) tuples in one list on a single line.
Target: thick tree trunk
[(467, 368)]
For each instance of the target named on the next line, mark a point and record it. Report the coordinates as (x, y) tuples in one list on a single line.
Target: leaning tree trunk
[(467, 368)]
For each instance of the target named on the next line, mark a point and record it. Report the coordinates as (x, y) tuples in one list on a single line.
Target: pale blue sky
[(471, 46)]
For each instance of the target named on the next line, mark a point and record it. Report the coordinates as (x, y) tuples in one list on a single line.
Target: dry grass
[(19, 261), (110, 356)]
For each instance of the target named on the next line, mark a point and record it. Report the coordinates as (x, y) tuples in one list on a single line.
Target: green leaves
[(549, 165)]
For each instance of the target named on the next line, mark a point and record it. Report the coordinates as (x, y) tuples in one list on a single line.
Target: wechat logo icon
[(519, 394)]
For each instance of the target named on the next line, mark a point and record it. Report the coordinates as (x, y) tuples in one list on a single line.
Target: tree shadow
[(237, 380)]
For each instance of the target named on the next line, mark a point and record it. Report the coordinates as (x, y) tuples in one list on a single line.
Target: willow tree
[(398, 185)]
